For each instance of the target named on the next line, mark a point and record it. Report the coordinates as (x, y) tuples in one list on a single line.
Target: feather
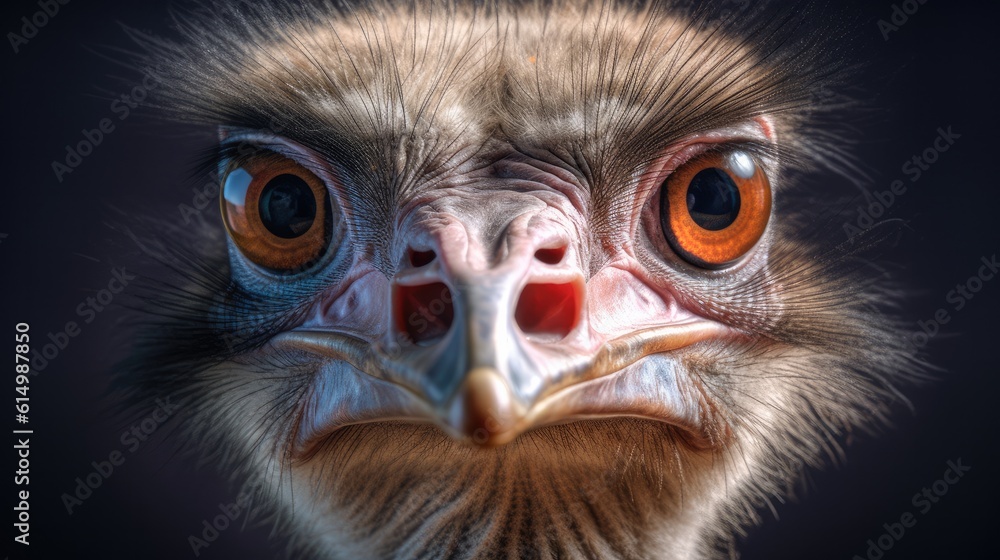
[(404, 99)]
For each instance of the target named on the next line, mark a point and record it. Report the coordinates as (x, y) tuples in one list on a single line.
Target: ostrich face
[(513, 282)]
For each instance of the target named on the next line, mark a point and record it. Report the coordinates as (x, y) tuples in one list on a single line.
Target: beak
[(493, 368), (486, 342), (487, 335)]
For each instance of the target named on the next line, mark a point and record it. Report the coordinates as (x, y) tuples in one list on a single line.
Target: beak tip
[(484, 408)]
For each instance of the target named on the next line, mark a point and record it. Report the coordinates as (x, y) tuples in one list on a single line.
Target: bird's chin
[(597, 483), (570, 445)]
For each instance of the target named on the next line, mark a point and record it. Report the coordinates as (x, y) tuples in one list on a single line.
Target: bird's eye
[(277, 212), (714, 208)]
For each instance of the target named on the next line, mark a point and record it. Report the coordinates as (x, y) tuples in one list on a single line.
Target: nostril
[(551, 256), (423, 314), (548, 312), (421, 258)]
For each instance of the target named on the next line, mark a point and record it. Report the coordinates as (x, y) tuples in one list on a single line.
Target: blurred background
[(935, 70)]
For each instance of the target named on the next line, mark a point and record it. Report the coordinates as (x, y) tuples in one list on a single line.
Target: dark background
[(937, 70)]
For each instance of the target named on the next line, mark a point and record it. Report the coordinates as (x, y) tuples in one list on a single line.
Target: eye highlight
[(714, 208), (277, 212)]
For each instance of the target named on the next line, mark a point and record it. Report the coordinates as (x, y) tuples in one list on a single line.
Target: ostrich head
[(512, 281)]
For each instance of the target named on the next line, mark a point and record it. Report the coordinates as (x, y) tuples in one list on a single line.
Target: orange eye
[(714, 208), (277, 212)]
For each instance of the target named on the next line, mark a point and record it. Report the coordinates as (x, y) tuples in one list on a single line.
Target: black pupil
[(713, 200), (287, 206)]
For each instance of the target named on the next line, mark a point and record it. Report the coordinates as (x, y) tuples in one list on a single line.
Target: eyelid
[(234, 154), (229, 150), (764, 153)]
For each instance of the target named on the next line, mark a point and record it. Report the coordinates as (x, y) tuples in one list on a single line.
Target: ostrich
[(514, 280)]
